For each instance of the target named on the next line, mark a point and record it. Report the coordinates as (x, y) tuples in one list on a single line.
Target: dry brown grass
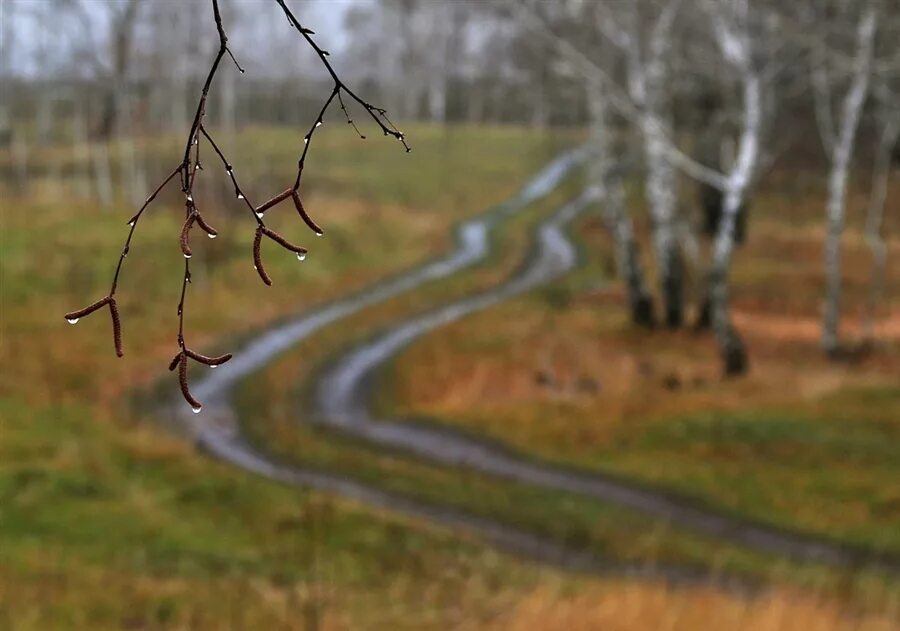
[(633, 606)]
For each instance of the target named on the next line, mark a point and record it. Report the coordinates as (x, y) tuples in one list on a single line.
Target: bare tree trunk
[(607, 183), (731, 347), (837, 180), (102, 176), (881, 172), (732, 32), (81, 153), (660, 187), (647, 76)]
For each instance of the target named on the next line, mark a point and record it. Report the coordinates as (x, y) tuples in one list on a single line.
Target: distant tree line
[(701, 93)]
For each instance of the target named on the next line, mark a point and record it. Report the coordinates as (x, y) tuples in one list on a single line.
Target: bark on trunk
[(731, 347), (837, 182), (660, 191), (607, 182), (647, 85)]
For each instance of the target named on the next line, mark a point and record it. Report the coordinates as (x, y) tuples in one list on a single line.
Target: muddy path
[(342, 398)]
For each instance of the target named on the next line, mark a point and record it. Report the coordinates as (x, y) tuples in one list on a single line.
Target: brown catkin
[(74, 315), (174, 363), (208, 229), (277, 238), (185, 235), (306, 218), (257, 258), (117, 326), (182, 381), (275, 200), (209, 361)]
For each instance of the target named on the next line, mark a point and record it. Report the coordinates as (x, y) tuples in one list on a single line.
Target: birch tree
[(731, 25), (648, 84), (839, 138), (608, 188)]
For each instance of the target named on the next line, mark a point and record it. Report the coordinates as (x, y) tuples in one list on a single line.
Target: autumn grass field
[(802, 442), (108, 520)]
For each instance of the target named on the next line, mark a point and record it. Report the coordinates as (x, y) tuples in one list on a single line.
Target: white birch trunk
[(609, 189), (837, 179), (647, 85), (735, 47)]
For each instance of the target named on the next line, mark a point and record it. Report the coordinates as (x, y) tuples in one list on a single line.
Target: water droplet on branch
[(197, 409), (187, 256), (72, 320), (211, 236), (301, 256)]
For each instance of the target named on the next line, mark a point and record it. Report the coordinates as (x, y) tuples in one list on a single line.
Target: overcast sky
[(326, 17)]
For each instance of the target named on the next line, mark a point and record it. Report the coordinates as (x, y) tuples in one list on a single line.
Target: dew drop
[(187, 256), (214, 366), (320, 234), (131, 223), (319, 124), (256, 268), (190, 198), (211, 236), (197, 409), (259, 215), (305, 139), (301, 256), (240, 195), (199, 167), (71, 320)]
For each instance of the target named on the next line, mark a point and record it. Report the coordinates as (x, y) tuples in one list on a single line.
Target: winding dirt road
[(343, 402)]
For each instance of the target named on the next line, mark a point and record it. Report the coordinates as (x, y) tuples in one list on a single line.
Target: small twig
[(188, 169)]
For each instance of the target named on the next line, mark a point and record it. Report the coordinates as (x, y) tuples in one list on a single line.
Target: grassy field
[(802, 442), (108, 522)]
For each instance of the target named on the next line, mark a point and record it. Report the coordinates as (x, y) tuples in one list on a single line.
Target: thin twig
[(188, 169)]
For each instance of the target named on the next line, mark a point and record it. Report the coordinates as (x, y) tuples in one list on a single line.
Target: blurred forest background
[(658, 387)]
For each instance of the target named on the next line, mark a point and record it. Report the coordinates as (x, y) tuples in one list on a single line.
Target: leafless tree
[(839, 138)]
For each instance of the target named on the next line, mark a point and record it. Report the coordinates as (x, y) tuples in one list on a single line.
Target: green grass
[(110, 525)]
